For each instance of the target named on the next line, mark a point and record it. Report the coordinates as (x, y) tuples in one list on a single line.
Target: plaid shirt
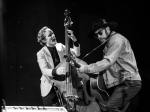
[(118, 63)]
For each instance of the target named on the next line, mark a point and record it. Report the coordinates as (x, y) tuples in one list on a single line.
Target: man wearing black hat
[(118, 66)]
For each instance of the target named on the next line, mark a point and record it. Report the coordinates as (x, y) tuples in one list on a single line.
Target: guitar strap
[(101, 82)]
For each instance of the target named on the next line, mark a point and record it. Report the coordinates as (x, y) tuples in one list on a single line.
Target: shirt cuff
[(54, 72)]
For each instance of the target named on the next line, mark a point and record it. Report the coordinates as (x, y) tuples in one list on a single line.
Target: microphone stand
[(93, 50), (98, 46)]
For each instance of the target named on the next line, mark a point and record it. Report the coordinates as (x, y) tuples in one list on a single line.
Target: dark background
[(20, 21)]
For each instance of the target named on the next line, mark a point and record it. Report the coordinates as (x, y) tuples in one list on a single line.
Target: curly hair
[(41, 35)]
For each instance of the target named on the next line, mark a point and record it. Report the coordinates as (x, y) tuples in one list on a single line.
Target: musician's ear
[(107, 29)]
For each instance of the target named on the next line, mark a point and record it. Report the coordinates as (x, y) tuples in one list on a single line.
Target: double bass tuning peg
[(67, 18), (67, 13)]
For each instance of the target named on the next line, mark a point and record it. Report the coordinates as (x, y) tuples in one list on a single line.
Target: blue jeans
[(122, 95)]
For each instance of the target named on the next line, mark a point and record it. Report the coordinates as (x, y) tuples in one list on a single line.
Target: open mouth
[(54, 39)]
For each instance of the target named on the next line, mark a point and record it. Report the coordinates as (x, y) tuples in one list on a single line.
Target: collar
[(51, 49)]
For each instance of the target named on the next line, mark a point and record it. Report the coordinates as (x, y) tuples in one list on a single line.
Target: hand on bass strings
[(71, 35)]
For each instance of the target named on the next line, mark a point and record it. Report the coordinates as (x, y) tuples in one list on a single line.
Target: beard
[(102, 40)]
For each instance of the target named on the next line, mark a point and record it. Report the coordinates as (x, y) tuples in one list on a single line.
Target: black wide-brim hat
[(101, 23)]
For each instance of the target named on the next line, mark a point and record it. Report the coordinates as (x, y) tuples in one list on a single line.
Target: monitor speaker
[(32, 109)]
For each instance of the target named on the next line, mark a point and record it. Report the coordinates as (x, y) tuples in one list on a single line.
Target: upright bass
[(69, 93), (74, 80)]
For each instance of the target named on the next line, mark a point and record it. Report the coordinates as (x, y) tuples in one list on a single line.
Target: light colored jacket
[(118, 62), (46, 65)]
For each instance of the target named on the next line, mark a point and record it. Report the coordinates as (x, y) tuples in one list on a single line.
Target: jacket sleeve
[(76, 50), (114, 48), (45, 67)]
